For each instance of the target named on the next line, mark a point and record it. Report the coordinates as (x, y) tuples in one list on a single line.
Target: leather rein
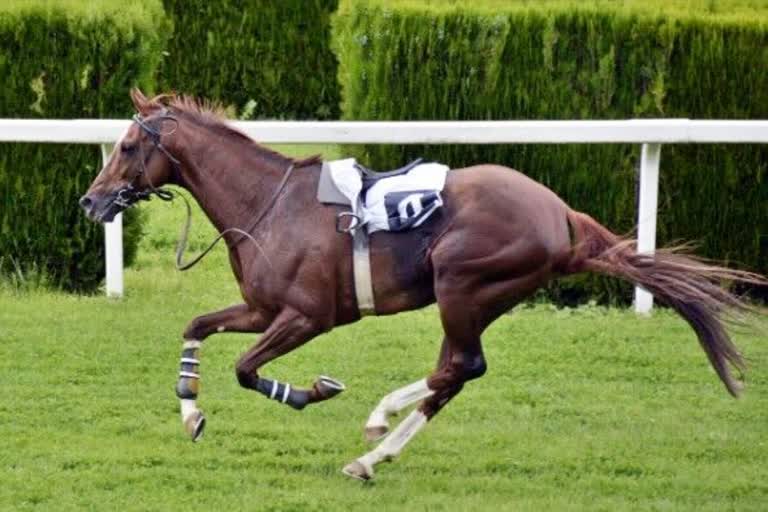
[(129, 195)]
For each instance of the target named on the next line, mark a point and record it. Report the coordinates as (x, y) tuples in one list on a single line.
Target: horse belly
[(400, 267)]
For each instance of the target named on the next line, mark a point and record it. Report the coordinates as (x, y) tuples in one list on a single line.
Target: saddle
[(327, 193), (370, 177), (389, 201)]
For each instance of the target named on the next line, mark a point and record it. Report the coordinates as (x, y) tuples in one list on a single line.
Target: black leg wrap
[(187, 389), (188, 385), (283, 393)]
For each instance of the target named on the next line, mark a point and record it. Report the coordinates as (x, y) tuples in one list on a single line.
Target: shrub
[(266, 58), (66, 59)]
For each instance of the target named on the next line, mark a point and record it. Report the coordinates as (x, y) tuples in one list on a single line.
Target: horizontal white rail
[(633, 131), (651, 133)]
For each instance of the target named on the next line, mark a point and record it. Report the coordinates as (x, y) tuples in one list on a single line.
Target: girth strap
[(361, 269)]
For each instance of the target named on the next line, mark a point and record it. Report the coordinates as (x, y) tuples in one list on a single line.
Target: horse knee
[(245, 375), (195, 330)]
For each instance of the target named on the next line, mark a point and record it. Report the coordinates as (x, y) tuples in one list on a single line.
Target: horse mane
[(213, 115)]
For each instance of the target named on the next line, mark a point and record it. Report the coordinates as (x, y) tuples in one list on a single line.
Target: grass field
[(586, 409)]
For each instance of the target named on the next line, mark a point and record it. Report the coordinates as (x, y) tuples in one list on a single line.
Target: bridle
[(129, 195)]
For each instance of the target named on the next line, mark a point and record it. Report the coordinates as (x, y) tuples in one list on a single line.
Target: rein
[(184, 234), (129, 195)]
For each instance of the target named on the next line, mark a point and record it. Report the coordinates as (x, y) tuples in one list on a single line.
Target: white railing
[(651, 133)]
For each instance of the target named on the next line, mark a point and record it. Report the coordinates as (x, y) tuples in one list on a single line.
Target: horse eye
[(127, 148)]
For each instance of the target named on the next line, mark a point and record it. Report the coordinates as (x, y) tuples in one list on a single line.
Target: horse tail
[(689, 285)]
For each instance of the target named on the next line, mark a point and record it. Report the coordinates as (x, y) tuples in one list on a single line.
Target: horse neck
[(230, 177)]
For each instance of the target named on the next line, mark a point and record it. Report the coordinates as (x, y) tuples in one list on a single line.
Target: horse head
[(138, 165)]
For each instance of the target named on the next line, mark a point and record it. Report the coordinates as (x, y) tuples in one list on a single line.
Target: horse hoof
[(375, 433), (358, 470), (327, 387), (194, 425)]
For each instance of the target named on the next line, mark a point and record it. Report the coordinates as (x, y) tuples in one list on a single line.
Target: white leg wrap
[(397, 401), (188, 407), (286, 392), (394, 442)]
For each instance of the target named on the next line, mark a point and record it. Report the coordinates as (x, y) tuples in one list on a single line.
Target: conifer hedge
[(66, 59), (408, 60), (266, 58)]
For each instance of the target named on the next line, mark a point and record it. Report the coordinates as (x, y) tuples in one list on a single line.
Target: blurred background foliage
[(61, 60)]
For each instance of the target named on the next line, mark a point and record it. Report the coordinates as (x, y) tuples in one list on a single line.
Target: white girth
[(361, 268), (340, 191)]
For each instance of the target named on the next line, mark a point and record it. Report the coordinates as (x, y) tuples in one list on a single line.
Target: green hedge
[(266, 58), (66, 59), (596, 60)]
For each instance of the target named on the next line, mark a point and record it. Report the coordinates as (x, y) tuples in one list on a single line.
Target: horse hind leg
[(377, 425), (454, 369), (467, 306)]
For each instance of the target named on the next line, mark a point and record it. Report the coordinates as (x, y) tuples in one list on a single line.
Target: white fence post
[(646, 217), (113, 243)]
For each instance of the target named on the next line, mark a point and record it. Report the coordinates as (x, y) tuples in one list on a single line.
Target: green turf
[(588, 409)]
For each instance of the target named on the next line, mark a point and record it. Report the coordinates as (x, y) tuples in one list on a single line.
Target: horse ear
[(140, 102)]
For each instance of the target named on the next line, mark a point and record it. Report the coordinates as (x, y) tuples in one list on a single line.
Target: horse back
[(487, 208)]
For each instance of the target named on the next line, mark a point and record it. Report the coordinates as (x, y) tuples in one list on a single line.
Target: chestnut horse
[(499, 237)]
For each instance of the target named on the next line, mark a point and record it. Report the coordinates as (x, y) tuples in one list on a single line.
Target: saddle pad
[(327, 192), (396, 203)]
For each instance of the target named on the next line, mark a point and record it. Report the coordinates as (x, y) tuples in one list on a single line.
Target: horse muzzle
[(102, 208)]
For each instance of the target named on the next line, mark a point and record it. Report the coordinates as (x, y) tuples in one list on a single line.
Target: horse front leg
[(238, 318), (289, 330)]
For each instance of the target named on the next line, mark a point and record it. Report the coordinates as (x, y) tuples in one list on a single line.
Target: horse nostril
[(86, 202)]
